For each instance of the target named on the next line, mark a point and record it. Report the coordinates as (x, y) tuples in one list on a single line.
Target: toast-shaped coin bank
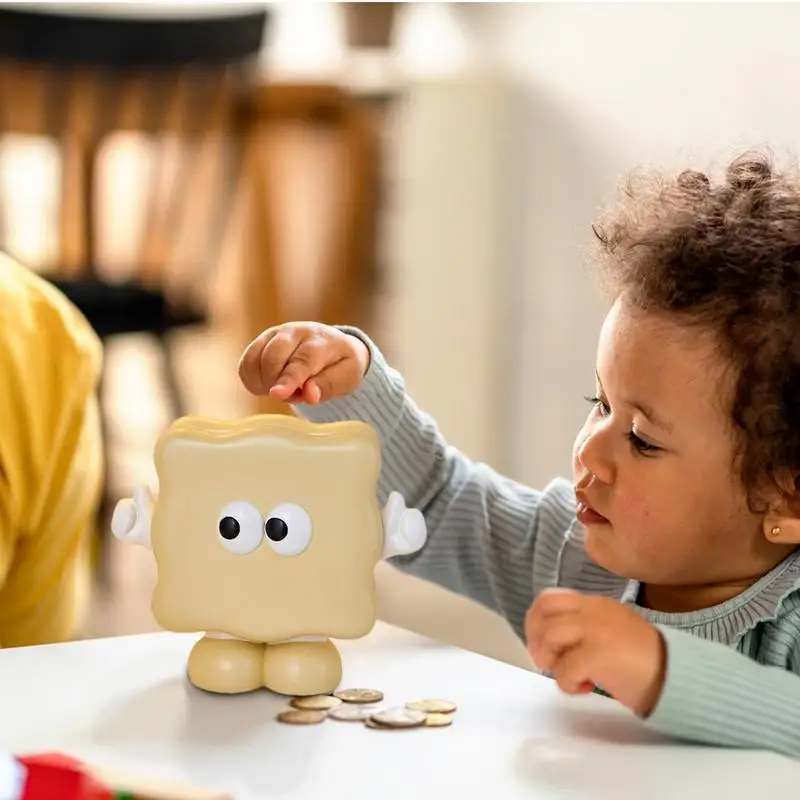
[(266, 533)]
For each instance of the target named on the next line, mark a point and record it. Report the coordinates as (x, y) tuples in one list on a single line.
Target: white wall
[(447, 285), (607, 87), (447, 294)]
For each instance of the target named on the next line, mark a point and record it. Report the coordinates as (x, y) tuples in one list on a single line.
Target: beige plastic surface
[(226, 666), (329, 470), (233, 666), (302, 668)]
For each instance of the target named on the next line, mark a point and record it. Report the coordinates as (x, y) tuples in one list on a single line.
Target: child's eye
[(599, 404), (640, 445)]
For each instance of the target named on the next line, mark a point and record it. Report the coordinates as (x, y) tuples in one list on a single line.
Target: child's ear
[(781, 525), (782, 529)]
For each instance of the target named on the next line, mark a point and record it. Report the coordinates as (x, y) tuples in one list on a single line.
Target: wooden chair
[(182, 86), (313, 157)]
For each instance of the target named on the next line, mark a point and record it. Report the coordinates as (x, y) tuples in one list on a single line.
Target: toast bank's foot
[(226, 666), (302, 668)]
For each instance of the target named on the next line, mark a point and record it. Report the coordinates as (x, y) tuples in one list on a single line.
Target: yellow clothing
[(51, 459)]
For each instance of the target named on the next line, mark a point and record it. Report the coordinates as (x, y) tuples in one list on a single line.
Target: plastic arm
[(131, 519), (404, 529)]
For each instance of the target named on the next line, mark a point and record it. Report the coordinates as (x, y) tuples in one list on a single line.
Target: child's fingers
[(551, 641), (310, 394), (302, 362), (335, 380), (573, 671), (276, 358), (551, 603), (250, 363), (310, 358)]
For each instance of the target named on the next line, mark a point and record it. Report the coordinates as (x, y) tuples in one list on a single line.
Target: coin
[(359, 695), (317, 702), (352, 713), (433, 706), (399, 718), (375, 726), (297, 716), (438, 720)]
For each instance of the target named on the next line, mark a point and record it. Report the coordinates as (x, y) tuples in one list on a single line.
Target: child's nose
[(594, 455)]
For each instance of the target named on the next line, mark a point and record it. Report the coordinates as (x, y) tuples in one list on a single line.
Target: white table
[(124, 704)]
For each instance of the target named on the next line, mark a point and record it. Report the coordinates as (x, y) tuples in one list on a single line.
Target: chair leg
[(171, 381), (101, 533)]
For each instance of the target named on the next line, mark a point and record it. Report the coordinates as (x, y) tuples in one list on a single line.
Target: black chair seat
[(117, 308)]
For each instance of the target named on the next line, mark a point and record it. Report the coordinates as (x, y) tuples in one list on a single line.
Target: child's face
[(655, 459)]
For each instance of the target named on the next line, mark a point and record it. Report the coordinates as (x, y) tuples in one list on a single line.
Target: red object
[(54, 775)]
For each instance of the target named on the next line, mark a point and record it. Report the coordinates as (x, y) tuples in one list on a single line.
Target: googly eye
[(288, 529), (240, 528)]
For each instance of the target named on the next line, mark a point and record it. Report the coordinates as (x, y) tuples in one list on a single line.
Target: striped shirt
[(733, 670)]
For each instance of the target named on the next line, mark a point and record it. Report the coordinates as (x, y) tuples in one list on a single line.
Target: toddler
[(666, 573)]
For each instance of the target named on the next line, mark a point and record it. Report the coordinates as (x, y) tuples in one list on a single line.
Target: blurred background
[(191, 173)]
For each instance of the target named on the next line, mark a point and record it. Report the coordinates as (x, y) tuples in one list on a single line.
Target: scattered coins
[(438, 720), (359, 705), (299, 716), (352, 713), (317, 702), (359, 695), (399, 718), (433, 706)]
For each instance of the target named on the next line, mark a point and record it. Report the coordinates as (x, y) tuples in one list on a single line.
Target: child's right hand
[(304, 362)]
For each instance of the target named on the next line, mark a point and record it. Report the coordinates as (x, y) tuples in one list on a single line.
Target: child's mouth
[(588, 516)]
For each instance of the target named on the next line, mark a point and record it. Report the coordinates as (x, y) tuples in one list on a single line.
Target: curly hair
[(725, 256)]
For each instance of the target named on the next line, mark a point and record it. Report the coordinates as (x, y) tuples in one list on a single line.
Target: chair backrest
[(146, 119), (321, 161), (316, 150)]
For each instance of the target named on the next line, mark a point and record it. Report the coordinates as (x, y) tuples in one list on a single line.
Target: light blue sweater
[(733, 671)]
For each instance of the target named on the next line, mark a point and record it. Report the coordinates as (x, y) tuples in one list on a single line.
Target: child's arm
[(715, 695), (489, 538)]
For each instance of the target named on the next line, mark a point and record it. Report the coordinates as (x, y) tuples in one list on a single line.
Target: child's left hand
[(586, 641)]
